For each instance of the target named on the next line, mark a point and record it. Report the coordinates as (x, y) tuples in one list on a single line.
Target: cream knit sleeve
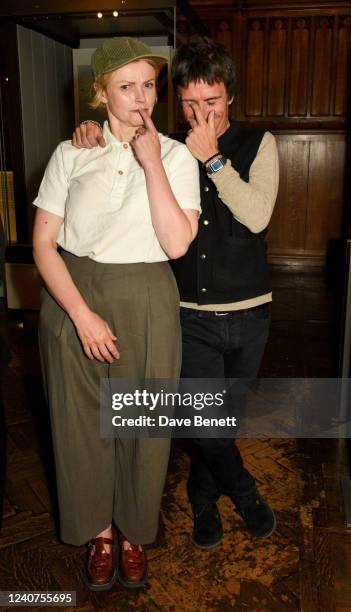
[(252, 203)]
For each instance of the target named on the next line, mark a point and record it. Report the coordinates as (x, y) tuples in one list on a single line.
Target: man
[(223, 280)]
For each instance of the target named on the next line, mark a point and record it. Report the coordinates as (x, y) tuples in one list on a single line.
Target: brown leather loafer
[(132, 566), (100, 569)]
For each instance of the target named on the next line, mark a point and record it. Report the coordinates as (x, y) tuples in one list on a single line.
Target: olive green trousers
[(101, 480)]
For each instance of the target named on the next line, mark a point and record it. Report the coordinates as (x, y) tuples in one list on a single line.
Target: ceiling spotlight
[(6, 78), (115, 13), (99, 15)]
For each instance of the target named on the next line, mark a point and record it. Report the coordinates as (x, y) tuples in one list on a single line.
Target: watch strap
[(210, 167), (212, 157)]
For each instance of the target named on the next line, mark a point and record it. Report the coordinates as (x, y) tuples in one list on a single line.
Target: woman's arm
[(175, 228), (96, 336)]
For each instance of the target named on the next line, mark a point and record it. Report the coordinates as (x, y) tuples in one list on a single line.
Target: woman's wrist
[(153, 165), (76, 311)]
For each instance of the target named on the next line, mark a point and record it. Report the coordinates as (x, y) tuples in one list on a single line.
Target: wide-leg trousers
[(100, 479)]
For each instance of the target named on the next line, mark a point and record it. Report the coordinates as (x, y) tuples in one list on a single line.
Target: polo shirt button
[(125, 146), (203, 255), (206, 222), (203, 290), (206, 188), (120, 171)]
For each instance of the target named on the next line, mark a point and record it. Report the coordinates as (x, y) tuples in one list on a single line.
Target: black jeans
[(223, 346)]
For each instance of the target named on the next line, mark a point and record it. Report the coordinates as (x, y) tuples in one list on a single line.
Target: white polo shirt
[(101, 195)]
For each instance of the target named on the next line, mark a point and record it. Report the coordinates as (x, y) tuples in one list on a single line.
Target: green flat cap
[(117, 52)]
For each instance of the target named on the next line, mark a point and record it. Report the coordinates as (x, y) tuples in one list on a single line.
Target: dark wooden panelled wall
[(292, 62)]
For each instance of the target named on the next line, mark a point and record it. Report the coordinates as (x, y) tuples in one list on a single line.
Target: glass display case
[(7, 197)]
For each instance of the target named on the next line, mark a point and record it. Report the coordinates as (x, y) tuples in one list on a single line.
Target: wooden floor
[(305, 565)]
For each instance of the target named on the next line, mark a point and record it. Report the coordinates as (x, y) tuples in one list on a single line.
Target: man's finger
[(93, 133), (101, 140), (198, 113), (192, 122), (76, 140), (211, 119), (83, 134)]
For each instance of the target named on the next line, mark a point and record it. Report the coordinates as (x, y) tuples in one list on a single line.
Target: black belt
[(210, 314)]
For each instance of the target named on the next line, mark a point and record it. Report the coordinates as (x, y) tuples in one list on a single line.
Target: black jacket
[(226, 262)]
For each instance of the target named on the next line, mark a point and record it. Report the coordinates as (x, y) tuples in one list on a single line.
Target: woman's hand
[(96, 336), (146, 143)]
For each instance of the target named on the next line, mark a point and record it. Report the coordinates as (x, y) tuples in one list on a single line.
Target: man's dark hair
[(203, 60)]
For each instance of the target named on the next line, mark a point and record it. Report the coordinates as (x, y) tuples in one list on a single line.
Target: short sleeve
[(184, 178), (54, 186)]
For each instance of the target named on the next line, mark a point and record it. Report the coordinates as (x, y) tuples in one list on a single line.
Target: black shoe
[(258, 516), (208, 530)]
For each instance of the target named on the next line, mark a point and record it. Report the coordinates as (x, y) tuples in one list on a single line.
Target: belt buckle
[(220, 314)]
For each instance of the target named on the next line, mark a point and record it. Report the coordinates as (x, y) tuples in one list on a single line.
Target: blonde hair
[(98, 88), (100, 84)]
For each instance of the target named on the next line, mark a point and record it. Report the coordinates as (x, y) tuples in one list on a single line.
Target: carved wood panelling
[(308, 211), (298, 75), (325, 194), (277, 45), (321, 71), (342, 66), (306, 60), (224, 33), (254, 68), (287, 227)]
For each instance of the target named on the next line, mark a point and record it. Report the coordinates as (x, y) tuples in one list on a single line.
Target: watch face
[(216, 165)]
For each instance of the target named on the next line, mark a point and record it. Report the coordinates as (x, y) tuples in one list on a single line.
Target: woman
[(111, 306)]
